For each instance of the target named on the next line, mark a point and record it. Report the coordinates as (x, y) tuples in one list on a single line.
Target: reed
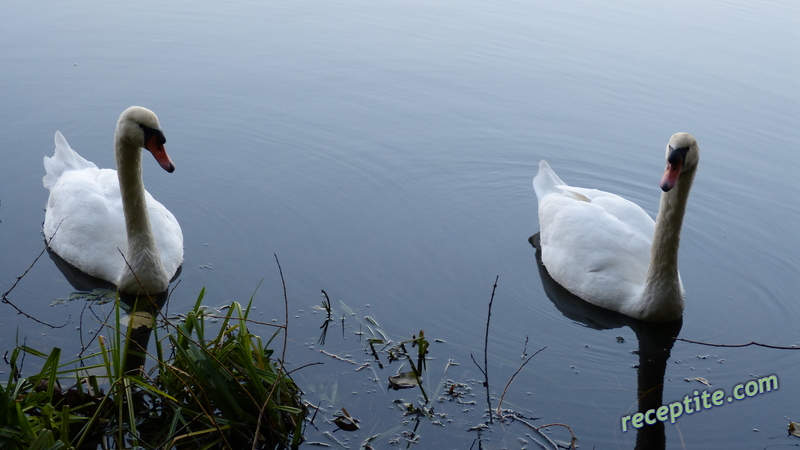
[(220, 388)]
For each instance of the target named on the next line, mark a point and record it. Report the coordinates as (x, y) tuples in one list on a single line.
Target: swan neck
[(663, 289), (146, 271), (667, 234)]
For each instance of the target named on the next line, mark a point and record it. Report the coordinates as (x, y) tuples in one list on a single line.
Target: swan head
[(683, 154), (138, 128)]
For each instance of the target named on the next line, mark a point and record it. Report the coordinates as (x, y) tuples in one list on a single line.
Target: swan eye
[(677, 155), (150, 132)]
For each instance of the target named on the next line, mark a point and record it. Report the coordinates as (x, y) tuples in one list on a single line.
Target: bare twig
[(334, 356), (510, 380), (166, 304), (574, 438), (327, 303), (285, 311), (282, 370), (104, 322), (80, 327), (138, 281), (4, 297), (485, 369), (758, 344), (477, 365)]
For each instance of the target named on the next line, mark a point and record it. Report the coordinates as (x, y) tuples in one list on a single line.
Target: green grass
[(207, 389)]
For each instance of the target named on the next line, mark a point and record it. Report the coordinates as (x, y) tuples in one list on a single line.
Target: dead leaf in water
[(345, 421), (700, 379), (404, 380)]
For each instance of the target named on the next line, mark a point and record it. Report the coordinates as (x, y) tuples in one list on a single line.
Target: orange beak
[(671, 175), (154, 143), (675, 161)]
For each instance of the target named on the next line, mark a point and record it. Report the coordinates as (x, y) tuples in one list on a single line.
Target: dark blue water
[(385, 151)]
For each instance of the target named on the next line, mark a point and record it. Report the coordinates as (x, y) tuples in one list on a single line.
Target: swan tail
[(64, 159), (546, 181)]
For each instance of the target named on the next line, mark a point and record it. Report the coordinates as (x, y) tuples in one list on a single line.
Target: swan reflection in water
[(655, 344), (142, 307)]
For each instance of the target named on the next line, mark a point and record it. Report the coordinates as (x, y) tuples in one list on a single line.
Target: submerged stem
[(486, 351)]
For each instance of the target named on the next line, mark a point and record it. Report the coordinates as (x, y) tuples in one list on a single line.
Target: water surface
[(385, 153)]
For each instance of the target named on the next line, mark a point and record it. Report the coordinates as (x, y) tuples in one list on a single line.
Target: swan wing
[(594, 243), (64, 159), (84, 221)]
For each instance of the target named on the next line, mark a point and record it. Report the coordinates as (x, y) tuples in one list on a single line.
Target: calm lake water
[(384, 152)]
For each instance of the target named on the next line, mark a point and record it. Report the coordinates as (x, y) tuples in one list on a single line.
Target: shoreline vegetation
[(212, 383), (224, 389), (215, 386)]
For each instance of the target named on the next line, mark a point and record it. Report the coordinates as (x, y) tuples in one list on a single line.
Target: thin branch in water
[(485, 369), (104, 322), (510, 380), (282, 370), (574, 438), (477, 365), (80, 327), (327, 303), (758, 344), (4, 297), (538, 430), (316, 410), (285, 310), (165, 310), (152, 301)]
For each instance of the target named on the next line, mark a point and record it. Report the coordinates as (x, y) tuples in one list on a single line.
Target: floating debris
[(404, 380), (345, 422), (699, 379)]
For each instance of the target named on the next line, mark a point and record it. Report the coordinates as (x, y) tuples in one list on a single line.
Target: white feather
[(85, 223), (601, 248)]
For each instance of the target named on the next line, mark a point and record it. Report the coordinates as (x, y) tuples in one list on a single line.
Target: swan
[(95, 216), (607, 250)]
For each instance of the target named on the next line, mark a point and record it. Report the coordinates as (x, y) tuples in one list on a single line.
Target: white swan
[(89, 219), (607, 250)]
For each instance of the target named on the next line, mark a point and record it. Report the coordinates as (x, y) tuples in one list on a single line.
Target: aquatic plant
[(223, 390)]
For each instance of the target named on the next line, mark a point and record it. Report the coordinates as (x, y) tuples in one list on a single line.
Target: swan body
[(95, 216), (607, 250)]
